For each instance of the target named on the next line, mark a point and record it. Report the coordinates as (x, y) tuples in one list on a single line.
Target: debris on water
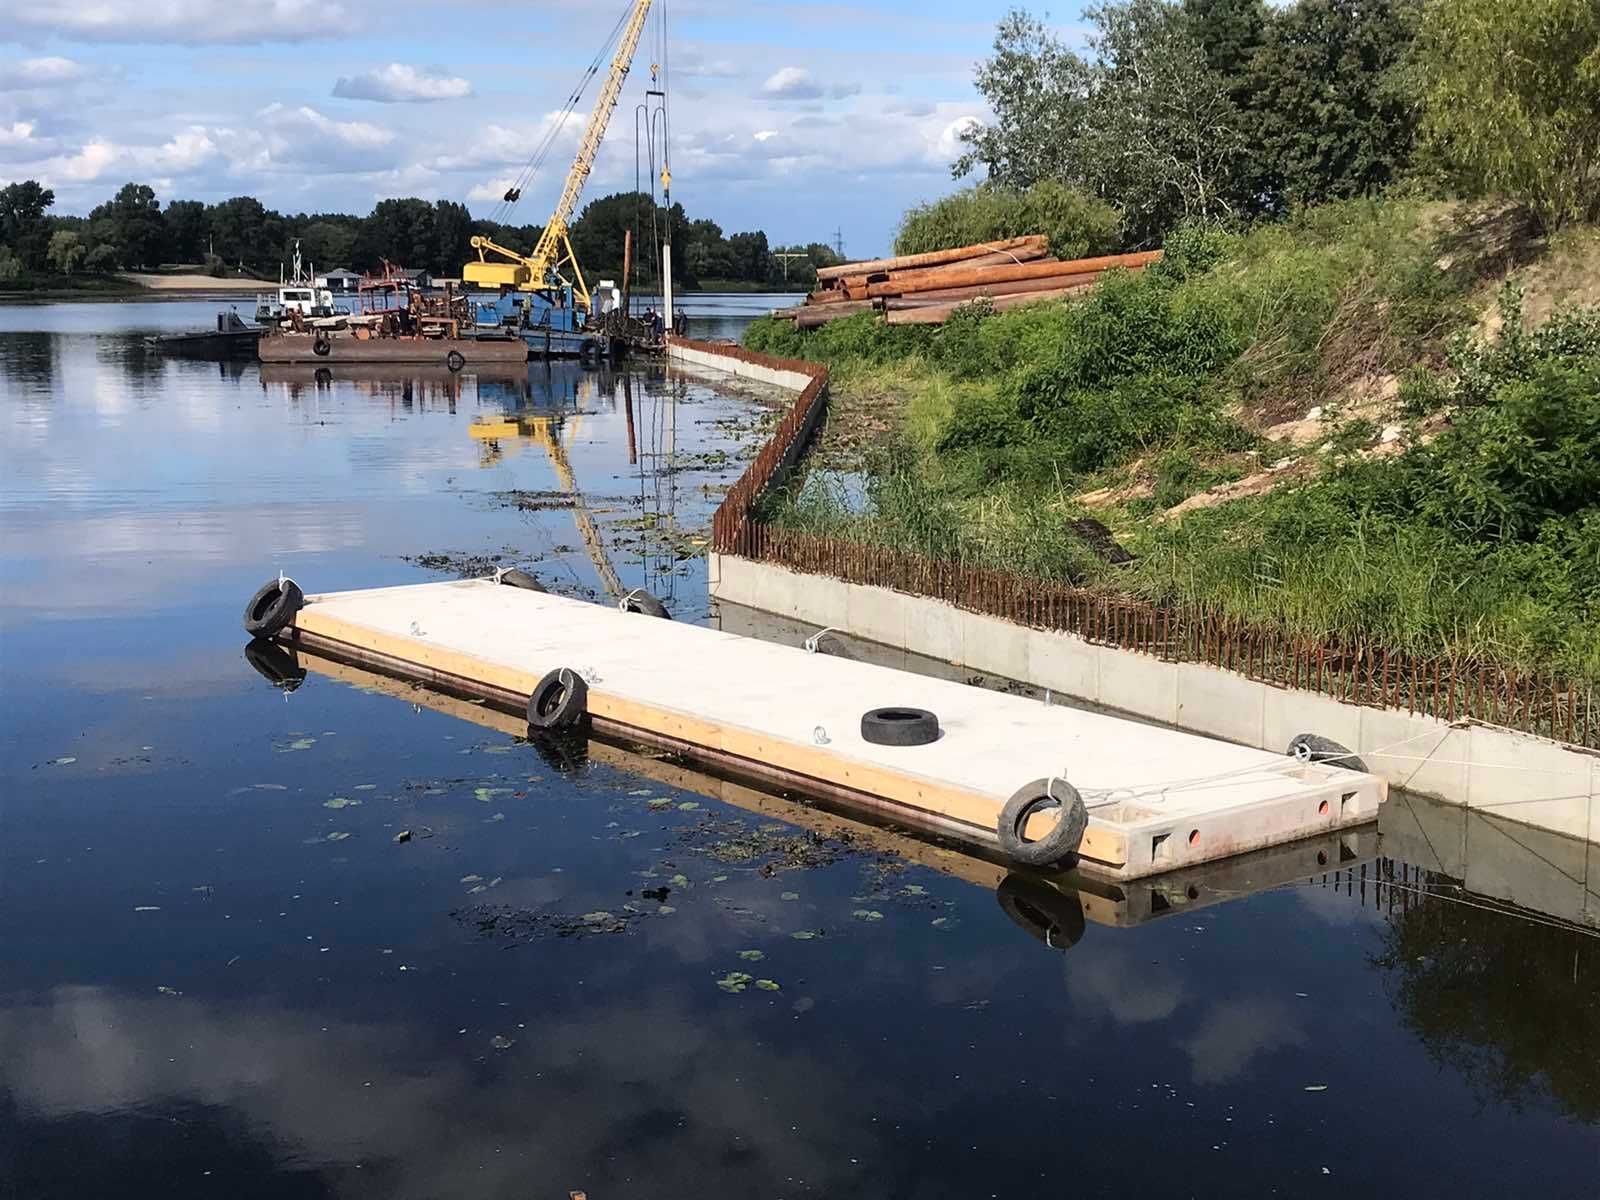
[(168, 991), (403, 836), (752, 955), (472, 879), (523, 925), (657, 893), (734, 981), (666, 910), (803, 1005), (147, 908), (1316, 1087), (688, 806), (501, 1042), (304, 743), (462, 566), (789, 896), (340, 802), (805, 935), (771, 850), (338, 835), (867, 914), (487, 794), (365, 787), (65, 760), (659, 804)]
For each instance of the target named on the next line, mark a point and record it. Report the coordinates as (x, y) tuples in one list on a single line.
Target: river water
[(222, 975)]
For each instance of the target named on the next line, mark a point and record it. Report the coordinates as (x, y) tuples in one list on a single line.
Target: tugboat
[(231, 339), (298, 294)]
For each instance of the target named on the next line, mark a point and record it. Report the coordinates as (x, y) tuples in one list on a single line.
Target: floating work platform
[(1158, 799), (341, 348)]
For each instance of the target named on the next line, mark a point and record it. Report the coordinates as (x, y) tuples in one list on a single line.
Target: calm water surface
[(220, 975)]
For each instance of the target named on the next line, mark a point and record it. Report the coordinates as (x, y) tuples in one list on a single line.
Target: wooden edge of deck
[(950, 811)]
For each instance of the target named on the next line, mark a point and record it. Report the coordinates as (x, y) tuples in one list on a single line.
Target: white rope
[(1203, 782), (622, 604), (812, 642)]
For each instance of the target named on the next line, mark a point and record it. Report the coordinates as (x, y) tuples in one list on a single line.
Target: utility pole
[(786, 255), (838, 243)]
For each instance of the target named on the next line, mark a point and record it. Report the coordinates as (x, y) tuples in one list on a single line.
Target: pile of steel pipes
[(925, 289)]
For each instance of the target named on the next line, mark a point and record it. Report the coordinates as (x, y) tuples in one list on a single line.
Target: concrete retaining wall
[(793, 380), (1518, 777)]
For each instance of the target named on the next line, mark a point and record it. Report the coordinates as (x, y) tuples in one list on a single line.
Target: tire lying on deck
[(641, 601), (559, 701), (899, 727), (1064, 837), (521, 579), (1309, 748), (272, 607), (1054, 918)]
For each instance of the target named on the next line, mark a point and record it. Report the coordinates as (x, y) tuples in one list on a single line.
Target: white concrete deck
[(1158, 798)]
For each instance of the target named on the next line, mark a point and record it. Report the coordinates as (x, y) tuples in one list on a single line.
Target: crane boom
[(533, 272)]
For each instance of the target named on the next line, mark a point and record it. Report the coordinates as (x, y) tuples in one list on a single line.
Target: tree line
[(134, 230), (1216, 110)]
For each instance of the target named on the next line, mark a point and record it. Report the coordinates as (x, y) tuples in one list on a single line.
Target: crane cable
[(504, 208)]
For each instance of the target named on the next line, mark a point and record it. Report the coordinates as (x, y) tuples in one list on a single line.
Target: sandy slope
[(195, 283)]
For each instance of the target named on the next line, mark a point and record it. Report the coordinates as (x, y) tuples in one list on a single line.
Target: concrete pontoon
[(1158, 798)]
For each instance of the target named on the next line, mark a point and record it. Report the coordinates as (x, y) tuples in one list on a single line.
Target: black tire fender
[(1046, 914), (559, 701), (455, 360), (899, 727), (276, 663), (641, 601), (321, 347), (1064, 837), (521, 579), (1309, 748), (272, 607)]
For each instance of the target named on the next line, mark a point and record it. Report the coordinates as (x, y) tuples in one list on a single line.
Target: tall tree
[(1335, 116), (66, 251), (1162, 137), (1038, 90), (242, 233), (452, 230), (186, 230), (1513, 100), (23, 224), (132, 221)]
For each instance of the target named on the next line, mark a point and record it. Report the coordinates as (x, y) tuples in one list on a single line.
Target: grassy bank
[(69, 287), (1342, 424)]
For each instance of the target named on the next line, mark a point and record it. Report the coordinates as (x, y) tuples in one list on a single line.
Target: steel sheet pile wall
[(1359, 672)]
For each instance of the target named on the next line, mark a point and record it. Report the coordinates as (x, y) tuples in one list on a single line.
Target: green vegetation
[(1329, 410), (1481, 539), (1076, 225)]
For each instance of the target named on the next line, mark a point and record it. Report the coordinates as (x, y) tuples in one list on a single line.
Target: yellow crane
[(498, 266)]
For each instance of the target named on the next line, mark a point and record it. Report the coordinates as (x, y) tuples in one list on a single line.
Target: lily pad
[(752, 955), (789, 896), (867, 914), (803, 935), (734, 981), (659, 804), (501, 1042), (688, 806), (768, 985), (340, 802)]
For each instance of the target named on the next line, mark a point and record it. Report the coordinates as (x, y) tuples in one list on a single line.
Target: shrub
[(1077, 225)]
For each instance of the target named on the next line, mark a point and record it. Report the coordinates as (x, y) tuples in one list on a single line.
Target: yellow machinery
[(499, 267)]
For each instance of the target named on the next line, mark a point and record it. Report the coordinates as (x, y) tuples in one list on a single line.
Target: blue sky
[(796, 118)]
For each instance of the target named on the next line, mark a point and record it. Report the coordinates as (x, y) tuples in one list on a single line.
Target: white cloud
[(302, 137), (695, 61), (792, 83), (402, 83), (187, 22), (39, 73)]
